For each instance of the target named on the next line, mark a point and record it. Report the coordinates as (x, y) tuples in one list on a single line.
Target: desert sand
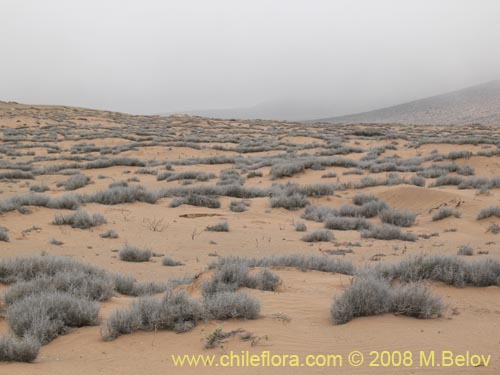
[(471, 321)]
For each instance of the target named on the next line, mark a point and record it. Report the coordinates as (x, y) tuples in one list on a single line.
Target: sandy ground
[(470, 324)]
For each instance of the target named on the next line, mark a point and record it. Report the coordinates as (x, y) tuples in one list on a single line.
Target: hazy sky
[(337, 57)]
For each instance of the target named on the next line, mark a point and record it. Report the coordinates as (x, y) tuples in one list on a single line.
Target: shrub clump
[(76, 181), (318, 236), (190, 175), (449, 269), (39, 188), (445, 212), (80, 219), (293, 202), (128, 286), (366, 296), (4, 234), (488, 212), (369, 295), (13, 349), (49, 314), (361, 199), (110, 233), (239, 206), (232, 305), (400, 218), (388, 232), (50, 294), (120, 194), (196, 200), (466, 250), (169, 261), (223, 226), (16, 175), (318, 213), (265, 279), (347, 223), (176, 311), (300, 261), (232, 275), (300, 226), (415, 300), (135, 254)]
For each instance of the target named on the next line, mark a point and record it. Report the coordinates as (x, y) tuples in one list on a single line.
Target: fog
[(293, 59)]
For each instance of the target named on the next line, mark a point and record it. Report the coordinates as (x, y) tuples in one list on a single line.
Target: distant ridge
[(478, 104)]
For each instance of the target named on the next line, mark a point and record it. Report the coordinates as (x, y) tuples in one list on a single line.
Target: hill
[(479, 104)]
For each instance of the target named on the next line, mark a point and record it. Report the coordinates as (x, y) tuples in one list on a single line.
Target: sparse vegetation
[(337, 176)]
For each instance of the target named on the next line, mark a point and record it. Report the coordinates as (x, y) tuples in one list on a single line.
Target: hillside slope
[(477, 104)]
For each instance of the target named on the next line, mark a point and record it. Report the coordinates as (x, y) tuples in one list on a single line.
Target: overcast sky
[(333, 57)]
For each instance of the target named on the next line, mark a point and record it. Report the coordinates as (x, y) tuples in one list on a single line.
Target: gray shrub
[(318, 236), (80, 219), (488, 212), (76, 181), (223, 226), (110, 233), (347, 223), (14, 349), (175, 311), (388, 232), (294, 201), (231, 305), (445, 212), (171, 262), (134, 254), (369, 295), (300, 226), (400, 218), (239, 206), (49, 314), (4, 234), (466, 250)]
